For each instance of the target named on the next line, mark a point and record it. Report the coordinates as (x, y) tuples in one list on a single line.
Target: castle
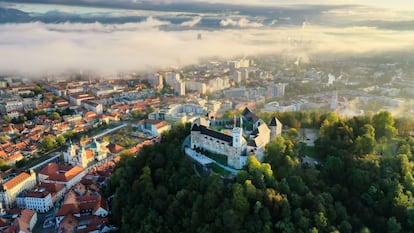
[(241, 143), (81, 155)]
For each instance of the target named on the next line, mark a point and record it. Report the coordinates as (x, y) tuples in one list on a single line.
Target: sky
[(117, 40)]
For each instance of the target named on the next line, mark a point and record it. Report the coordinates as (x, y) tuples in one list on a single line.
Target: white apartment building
[(77, 99), (38, 200), (156, 80), (172, 78), (72, 118), (218, 84), (179, 88), (196, 86), (92, 106), (178, 112), (8, 105), (276, 90), (153, 127), (30, 103)]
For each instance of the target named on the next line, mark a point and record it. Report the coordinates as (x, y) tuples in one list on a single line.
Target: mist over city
[(47, 38)]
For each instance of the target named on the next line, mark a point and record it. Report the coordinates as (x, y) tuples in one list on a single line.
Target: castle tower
[(275, 128), (237, 137)]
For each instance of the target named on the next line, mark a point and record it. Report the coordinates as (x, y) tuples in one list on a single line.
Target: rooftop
[(58, 172), (16, 180)]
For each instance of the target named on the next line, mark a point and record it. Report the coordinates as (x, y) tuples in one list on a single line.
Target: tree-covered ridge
[(364, 183)]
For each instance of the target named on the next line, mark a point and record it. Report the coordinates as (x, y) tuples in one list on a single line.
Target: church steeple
[(83, 162)]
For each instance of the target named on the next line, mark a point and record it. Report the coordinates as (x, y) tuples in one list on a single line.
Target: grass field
[(222, 159), (219, 170)]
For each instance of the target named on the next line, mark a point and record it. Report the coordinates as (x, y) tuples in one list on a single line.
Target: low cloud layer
[(191, 23), (38, 48)]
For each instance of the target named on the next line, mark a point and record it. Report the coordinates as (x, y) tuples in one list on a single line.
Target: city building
[(92, 106), (196, 86), (156, 81), (233, 146), (78, 98), (178, 113), (82, 155), (61, 174), (276, 90), (153, 127), (27, 221), (179, 88), (82, 208), (39, 200), (249, 136), (12, 184)]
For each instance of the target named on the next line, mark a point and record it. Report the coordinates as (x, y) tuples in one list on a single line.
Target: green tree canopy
[(49, 143)]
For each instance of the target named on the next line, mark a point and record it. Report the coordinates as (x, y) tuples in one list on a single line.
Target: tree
[(3, 165), (49, 143), (37, 90), (365, 144), (320, 220), (60, 140), (54, 116), (6, 119), (383, 123), (393, 225), (4, 138), (137, 114), (292, 134), (404, 126), (107, 138)]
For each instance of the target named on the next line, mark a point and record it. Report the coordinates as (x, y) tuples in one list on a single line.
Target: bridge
[(110, 131), (53, 157)]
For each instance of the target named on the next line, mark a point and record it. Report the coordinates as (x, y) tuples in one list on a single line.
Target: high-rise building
[(276, 90)]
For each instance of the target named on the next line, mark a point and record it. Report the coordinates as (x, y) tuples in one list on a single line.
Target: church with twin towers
[(247, 138)]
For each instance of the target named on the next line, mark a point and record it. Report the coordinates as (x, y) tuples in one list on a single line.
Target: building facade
[(11, 188), (248, 137), (38, 200)]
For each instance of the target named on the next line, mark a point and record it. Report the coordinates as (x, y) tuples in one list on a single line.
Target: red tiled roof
[(16, 180), (3, 154), (52, 187), (89, 154), (67, 209), (16, 157), (38, 194), (115, 148), (57, 172)]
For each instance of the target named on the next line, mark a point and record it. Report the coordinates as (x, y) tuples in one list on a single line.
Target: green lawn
[(219, 170), (222, 159)]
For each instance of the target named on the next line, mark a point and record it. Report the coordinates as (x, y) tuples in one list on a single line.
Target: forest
[(362, 183)]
